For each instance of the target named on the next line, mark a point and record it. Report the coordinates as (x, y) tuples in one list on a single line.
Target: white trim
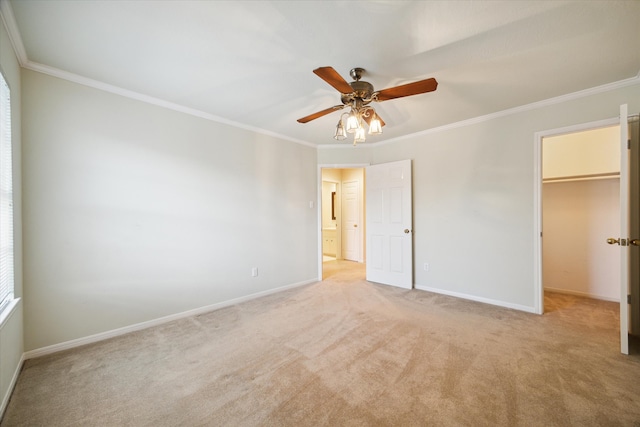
[(582, 294), (538, 292), (85, 81), (43, 351), (6, 13), (8, 311), (580, 127), (477, 298), (12, 385), (538, 287), (520, 109), (7, 16)]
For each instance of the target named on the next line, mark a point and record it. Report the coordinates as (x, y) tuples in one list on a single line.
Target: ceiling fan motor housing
[(361, 91)]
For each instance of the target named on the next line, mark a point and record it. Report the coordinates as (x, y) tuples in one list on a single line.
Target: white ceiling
[(251, 62)]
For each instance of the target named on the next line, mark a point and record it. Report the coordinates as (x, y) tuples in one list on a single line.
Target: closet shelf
[(589, 177)]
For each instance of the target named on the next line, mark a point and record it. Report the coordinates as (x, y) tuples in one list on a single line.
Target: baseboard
[(478, 299), (151, 323), (12, 385), (581, 294)]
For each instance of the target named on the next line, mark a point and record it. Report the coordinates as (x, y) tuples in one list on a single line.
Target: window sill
[(7, 311)]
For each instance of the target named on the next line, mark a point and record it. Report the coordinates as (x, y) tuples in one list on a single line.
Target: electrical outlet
[(426, 266), (254, 272)]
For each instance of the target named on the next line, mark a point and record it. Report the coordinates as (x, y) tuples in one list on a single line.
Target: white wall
[(134, 212), (578, 217), (473, 196), (11, 330)]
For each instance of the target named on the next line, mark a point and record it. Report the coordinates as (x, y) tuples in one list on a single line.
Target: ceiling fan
[(358, 95)]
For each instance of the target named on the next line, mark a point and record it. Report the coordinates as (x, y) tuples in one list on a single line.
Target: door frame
[(319, 202), (538, 287)]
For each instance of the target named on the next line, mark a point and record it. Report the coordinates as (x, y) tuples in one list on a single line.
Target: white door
[(389, 224), (629, 228), (624, 230), (351, 221)]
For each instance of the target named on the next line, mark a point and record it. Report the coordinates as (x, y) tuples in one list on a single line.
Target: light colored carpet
[(346, 352)]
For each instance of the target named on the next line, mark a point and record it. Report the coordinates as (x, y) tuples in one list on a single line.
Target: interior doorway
[(580, 210), (342, 224)]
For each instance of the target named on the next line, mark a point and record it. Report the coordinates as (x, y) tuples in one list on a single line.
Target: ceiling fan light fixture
[(352, 122), (340, 132), (358, 95)]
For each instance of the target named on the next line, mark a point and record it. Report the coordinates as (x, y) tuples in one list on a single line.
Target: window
[(6, 197)]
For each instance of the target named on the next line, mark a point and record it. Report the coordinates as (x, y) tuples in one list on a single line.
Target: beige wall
[(473, 196), (578, 217), (134, 212)]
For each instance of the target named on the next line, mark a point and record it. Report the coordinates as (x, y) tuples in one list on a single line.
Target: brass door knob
[(613, 241), (634, 242), (355, 225), (407, 231)]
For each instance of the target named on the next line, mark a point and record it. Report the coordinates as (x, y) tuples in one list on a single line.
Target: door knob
[(355, 225), (634, 242), (613, 241), (407, 231)]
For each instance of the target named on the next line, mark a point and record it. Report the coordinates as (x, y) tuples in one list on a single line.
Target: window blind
[(6, 196)]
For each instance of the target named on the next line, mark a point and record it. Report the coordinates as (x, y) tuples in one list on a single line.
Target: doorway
[(342, 223), (575, 158), (580, 210)]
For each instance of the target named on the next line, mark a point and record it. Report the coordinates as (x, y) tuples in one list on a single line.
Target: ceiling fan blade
[(331, 76), (415, 88), (369, 117), (320, 114)]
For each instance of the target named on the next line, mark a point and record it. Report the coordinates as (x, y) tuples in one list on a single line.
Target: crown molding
[(96, 84), (6, 13), (9, 20), (523, 108)]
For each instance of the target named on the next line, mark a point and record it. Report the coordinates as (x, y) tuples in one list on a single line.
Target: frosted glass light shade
[(352, 122), (375, 127), (340, 132)]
